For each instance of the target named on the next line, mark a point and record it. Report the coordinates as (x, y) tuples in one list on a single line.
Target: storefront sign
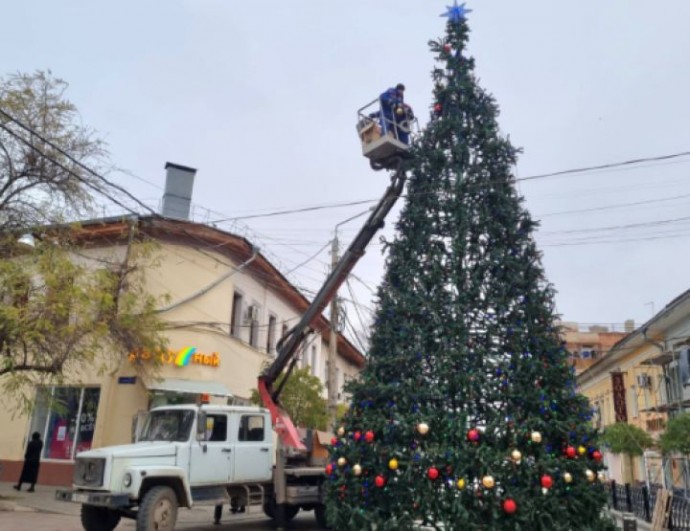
[(181, 358)]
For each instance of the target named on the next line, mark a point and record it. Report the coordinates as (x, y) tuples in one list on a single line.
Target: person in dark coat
[(390, 100), (395, 114), (32, 462)]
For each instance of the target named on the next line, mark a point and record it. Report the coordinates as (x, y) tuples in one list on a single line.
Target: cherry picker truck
[(190, 455)]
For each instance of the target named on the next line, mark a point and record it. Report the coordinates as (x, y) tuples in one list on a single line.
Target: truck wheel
[(158, 510), (320, 514), (270, 510), (98, 518)]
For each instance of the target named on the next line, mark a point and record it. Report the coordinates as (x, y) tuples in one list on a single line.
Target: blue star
[(456, 13)]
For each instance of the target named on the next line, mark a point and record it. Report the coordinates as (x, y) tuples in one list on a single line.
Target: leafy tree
[(676, 438), (626, 439), (466, 415), (60, 313), (38, 183), (302, 399)]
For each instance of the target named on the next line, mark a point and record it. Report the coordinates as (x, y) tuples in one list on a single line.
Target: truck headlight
[(127, 479)]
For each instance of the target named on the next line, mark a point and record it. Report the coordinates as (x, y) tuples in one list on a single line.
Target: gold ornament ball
[(393, 464), (567, 477), (399, 111), (581, 450), (342, 461), (341, 431), (601, 476), (516, 456), (423, 428), (356, 470), (488, 482), (536, 437), (544, 491), (591, 476), (461, 483)]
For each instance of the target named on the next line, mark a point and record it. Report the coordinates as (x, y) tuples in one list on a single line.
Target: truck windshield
[(168, 425)]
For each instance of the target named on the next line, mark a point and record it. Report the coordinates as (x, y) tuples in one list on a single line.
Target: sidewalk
[(641, 524), (43, 500)]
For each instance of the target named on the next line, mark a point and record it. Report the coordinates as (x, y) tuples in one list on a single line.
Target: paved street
[(39, 511), (37, 521)]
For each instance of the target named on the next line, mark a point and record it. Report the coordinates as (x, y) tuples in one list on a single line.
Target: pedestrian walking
[(32, 462)]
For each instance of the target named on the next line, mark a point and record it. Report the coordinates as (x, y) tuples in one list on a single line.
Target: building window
[(236, 316), (271, 335), (313, 361), (253, 317), (66, 418), (632, 400)]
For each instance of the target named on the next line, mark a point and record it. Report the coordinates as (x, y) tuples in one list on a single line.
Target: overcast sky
[(261, 97)]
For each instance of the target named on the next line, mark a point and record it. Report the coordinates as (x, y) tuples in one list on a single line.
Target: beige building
[(227, 307), (588, 344), (644, 380)]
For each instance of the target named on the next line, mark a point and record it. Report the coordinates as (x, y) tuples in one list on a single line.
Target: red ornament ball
[(329, 469), (509, 506), (546, 481), (438, 108), (380, 481), (596, 455), (447, 48), (369, 436), (570, 452), (432, 473), (473, 435), (357, 436), (334, 441)]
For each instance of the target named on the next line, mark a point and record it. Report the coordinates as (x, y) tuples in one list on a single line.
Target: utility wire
[(604, 166), (70, 157)]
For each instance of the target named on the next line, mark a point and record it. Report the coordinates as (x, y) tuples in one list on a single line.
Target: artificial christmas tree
[(465, 416)]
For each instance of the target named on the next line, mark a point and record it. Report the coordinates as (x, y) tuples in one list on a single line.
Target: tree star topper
[(456, 13)]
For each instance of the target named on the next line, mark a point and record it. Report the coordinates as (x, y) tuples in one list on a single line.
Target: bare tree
[(43, 150)]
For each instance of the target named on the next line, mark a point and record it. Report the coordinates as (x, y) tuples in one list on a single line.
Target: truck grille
[(88, 472)]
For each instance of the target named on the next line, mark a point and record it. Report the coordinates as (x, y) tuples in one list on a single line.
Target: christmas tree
[(466, 415)]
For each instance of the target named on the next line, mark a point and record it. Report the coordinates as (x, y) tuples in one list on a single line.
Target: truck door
[(211, 460), (253, 460)]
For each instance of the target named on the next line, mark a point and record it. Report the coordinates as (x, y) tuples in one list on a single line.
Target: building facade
[(588, 345), (643, 380), (226, 307)]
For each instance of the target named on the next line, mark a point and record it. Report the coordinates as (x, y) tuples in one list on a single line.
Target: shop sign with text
[(180, 358)]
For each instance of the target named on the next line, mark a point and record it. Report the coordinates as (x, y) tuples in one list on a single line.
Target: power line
[(70, 157), (604, 166)]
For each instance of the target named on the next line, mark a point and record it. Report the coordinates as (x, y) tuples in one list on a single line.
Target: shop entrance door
[(211, 460)]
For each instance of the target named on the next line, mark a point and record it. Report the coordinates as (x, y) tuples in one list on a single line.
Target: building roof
[(651, 332), (234, 246)]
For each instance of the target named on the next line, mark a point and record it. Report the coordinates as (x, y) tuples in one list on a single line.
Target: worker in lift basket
[(395, 114)]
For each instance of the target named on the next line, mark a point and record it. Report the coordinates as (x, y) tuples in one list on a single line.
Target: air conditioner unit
[(252, 313), (644, 380)]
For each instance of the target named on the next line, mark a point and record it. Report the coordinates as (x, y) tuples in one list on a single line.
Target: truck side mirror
[(201, 426)]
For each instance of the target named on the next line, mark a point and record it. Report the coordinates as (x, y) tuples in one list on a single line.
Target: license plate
[(80, 497)]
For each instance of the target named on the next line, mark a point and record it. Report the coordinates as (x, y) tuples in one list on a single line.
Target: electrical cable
[(70, 157)]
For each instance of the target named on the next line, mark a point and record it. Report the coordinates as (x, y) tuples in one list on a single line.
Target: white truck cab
[(183, 456)]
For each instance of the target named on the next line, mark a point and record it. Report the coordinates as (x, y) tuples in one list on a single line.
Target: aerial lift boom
[(289, 343)]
